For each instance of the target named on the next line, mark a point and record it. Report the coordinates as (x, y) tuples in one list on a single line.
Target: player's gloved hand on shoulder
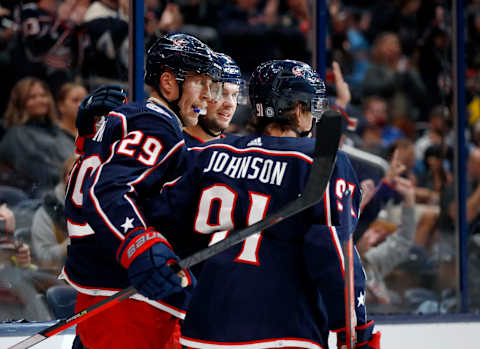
[(366, 339), (102, 101), (146, 254)]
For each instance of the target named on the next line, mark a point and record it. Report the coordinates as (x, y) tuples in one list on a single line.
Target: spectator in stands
[(435, 133), (377, 133), (375, 196), (435, 65), (199, 20), (7, 44), (34, 147), (435, 177), (244, 28), (392, 77), (20, 257), (20, 297), (358, 46), (51, 41), (449, 205), (292, 29), (69, 97), (106, 22), (49, 228), (384, 246), (161, 17)]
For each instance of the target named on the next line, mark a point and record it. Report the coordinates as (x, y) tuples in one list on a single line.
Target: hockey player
[(282, 287), (213, 124), (113, 246)]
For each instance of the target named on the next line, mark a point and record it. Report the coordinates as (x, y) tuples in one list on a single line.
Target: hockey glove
[(366, 339), (102, 101), (146, 254)]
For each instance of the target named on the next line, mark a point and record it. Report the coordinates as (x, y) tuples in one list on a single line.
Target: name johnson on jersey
[(250, 167)]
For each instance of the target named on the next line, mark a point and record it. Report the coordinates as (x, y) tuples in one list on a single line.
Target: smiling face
[(220, 113), (197, 92), (37, 103)]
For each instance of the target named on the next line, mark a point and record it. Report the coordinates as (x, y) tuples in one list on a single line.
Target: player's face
[(37, 102), (220, 114), (69, 106), (197, 92)]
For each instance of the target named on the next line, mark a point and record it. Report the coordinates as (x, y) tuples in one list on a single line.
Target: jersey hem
[(259, 344), (94, 291)]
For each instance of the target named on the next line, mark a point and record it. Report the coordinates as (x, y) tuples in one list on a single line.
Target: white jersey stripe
[(124, 122), (97, 203), (263, 344), (78, 230), (338, 247), (109, 292), (326, 202), (257, 150)]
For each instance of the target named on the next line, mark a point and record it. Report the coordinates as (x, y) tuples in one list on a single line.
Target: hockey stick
[(349, 289), (328, 131)]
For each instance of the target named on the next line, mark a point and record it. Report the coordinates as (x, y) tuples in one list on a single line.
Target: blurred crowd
[(396, 60)]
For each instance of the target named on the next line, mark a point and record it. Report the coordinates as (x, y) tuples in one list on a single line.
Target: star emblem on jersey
[(127, 225), (361, 299)]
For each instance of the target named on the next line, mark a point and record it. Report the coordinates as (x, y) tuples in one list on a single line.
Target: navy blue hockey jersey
[(192, 141), (266, 291), (136, 149)]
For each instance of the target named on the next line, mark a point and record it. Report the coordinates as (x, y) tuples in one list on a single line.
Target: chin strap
[(302, 133), (174, 104), (208, 131)]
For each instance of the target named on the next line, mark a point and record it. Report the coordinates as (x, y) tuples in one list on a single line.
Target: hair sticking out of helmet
[(180, 53), (278, 86)]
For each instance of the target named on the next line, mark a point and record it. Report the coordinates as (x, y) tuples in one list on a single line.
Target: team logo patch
[(180, 42), (298, 70)]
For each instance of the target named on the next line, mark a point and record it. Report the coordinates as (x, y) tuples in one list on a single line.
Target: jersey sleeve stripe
[(95, 200), (124, 122), (326, 203), (338, 247), (171, 183), (135, 208), (76, 230)]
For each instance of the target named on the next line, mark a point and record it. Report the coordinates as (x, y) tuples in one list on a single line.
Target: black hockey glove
[(102, 101)]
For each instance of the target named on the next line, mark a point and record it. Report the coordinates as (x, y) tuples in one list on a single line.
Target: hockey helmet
[(276, 86), (230, 70), (180, 53)]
